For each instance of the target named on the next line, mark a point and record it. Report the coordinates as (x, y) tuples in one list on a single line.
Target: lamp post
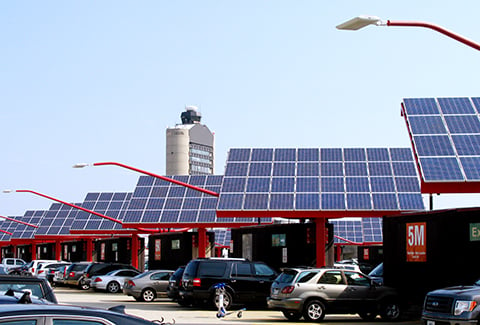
[(363, 21), (89, 252), (171, 180), (18, 221)]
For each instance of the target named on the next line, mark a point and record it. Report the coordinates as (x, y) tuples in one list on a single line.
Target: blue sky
[(88, 81)]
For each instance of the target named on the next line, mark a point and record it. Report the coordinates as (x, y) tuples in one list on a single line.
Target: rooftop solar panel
[(356, 230), (9, 226), (445, 133), (324, 179), (223, 236), (157, 202), (56, 221), (23, 231)]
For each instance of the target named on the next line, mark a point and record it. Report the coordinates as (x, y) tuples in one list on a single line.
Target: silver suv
[(312, 293)]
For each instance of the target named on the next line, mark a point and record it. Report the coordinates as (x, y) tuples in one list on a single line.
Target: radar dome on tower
[(191, 115)]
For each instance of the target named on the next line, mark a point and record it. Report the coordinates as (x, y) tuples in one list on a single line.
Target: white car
[(47, 270), (33, 265), (10, 262), (112, 281)]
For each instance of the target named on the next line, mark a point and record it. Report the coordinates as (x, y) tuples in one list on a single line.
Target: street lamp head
[(360, 22), (7, 191), (81, 165)]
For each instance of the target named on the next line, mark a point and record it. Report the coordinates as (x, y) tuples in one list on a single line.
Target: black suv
[(246, 282), (100, 268)]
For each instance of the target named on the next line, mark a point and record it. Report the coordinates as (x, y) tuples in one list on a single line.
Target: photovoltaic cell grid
[(364, 230), (109, 204), (223, 236), (27, 232), (331, 179), (157, 201), (446, 137), (9, 226), (56, 221)]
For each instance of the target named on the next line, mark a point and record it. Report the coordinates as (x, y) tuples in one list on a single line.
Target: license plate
[(430, 322)]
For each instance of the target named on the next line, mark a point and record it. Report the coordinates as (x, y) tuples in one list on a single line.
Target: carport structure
[(319, 184)]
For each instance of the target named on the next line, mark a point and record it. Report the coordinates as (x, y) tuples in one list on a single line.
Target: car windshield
[(378, 271), (142, 275), (33, 288)]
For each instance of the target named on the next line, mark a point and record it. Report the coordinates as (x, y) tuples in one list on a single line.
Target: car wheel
[(368, 316), (227, 300), (292, 315), (113, 287), (314, 311), (148, 295), (390, 311), (84, 285)]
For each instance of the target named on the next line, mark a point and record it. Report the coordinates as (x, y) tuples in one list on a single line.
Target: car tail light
[(131, 283), (87, 275), (197, 282), (288, 289), (98, 280), (40, 271)]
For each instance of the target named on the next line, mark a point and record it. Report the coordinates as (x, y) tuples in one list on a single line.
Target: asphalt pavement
[(169, 311)]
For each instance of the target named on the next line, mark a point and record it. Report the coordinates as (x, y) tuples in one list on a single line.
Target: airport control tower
[(190, 146)]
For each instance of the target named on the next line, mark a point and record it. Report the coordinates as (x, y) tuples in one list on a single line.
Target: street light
[(18, 221), (363, 21), (171, 180)]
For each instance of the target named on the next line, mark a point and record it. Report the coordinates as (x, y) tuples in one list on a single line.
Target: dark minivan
[(246, 282)]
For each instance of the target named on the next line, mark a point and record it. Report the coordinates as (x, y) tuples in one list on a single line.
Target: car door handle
[(321, 287)]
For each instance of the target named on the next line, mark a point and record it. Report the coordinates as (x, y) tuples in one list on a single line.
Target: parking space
[(168, 310)]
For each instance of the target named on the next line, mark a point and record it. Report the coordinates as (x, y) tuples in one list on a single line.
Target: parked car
[(47, 270), (32, 266), (39, 288), (101, 268), (174, 283), (112, 281), (59, 275), (74, 275), (148, 285), (66, 314), (453, 305), (11, 262), (312, 293), (246, 282)]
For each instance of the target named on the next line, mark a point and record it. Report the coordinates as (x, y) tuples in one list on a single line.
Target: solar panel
[(110, 204), (325, 179), (56, 221), (446, 139), (357, 230), (9, 226), (27, 232), (156, 201), (223, 236)]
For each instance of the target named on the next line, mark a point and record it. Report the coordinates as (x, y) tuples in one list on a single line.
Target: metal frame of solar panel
[(445, 134), (318, 182), (159, 203), (110, 204)]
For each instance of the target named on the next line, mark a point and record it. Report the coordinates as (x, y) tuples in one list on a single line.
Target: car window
[(9, 262), (17, 262), (126, 273), (358, 279), (306, 276), (34, 288), (263, 270), (212, 269), (75, 322), (286, 276), (331, 277), (160, 276), (241, 269)]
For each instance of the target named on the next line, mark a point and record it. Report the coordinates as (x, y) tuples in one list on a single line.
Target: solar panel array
[(9, 226), (330, 179), (157, 201), (446, 137), (110, 204), (28, 232), (356, 230), (56, 221)]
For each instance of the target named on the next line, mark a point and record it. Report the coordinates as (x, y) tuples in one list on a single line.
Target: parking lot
[(169, 311)]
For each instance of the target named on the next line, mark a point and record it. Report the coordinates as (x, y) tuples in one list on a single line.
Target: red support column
[(58, 250), (135, 246), (320, 234), (34, 251), (202, 238), (89, 249)]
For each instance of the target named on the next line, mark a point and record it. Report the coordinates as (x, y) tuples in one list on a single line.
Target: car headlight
[(464, 305)]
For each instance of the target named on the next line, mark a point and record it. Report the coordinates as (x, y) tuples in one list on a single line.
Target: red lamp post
[(363, 21)]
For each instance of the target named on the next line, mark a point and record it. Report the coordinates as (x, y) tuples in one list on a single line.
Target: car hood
[(457, 290)]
